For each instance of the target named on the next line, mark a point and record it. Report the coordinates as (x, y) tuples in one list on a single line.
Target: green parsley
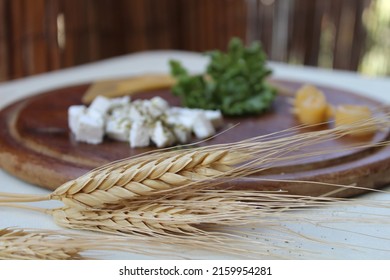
[(234, 81)]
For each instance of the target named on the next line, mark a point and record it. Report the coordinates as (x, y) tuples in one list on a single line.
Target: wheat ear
[(21, 244), (183, 230), (26, 244), (173, 170), (204, 220), (198, 167), (211, 221)]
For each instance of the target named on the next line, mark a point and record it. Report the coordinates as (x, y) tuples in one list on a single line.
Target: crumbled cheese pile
[(140, 122)]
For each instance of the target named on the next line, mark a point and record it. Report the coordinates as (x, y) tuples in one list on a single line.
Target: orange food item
[(349, 114), (310, 105)]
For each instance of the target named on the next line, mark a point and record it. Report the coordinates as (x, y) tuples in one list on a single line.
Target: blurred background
[(37, 36)]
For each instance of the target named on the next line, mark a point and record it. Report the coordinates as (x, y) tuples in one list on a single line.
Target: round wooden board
[(37, 146)]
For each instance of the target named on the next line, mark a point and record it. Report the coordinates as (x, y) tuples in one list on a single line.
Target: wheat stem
[(173, 170), (26, 207), (11, 197), (53, 245)]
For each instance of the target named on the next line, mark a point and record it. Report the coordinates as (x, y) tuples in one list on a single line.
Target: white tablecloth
[(157, 62)]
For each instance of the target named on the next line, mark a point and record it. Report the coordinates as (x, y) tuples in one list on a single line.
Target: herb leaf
[(234, 81)]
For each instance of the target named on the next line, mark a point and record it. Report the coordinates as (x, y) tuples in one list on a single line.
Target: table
[(157, 62)]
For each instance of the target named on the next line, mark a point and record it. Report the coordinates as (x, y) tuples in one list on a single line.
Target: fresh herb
[(234, 82)]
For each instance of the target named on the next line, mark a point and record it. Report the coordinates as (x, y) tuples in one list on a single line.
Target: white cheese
[(202, 127), (179, 110), (187, 120), (160, 103), (119, 102), (157, 107), (120, 112), (139, 135), (145, 108), (118, 128), (161, 136), (74, 113), (100, 104), (171, 119), (182, 134), (141, 121), (135, 114), (90, 128), (215, 117)]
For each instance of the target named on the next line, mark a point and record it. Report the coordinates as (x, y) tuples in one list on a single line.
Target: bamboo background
[(43, 35)]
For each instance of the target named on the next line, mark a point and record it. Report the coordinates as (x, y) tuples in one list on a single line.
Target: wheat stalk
[(193, 232), (32, 244), (216, 221), (173, 195), (19, 244), (194, 168), (202, 220)]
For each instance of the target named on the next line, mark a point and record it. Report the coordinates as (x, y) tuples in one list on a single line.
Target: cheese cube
[(215, 117), (188, 118), (180, 110), (119, 102), (141, 121), (74, 113), (120, 112), (135, 114), (161, 136), (118, 129), (160, 103), (182, 134), (174, 110), (100, 104), (139, 135), (157, 106), (202, 127), (171, 120), (90, 128)]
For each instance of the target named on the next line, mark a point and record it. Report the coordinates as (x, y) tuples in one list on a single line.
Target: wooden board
[(36, 145)]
